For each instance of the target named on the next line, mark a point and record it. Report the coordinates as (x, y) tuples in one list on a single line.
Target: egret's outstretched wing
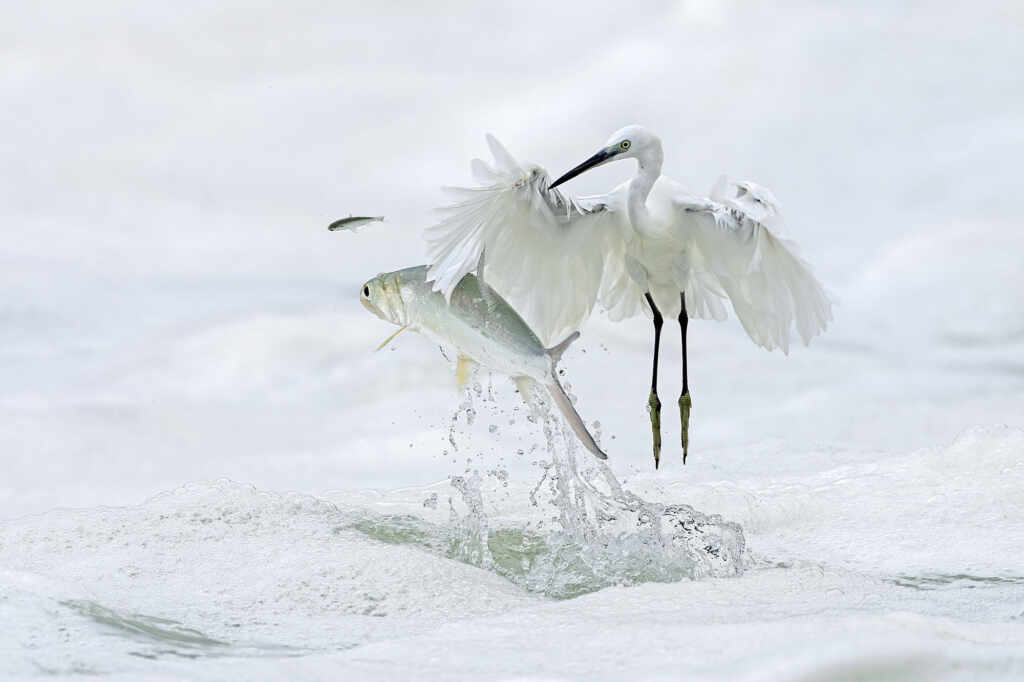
[(544, 252), (730, 244)]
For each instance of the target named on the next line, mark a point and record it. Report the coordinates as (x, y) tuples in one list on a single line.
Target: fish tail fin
[(556, 351), (569, 412)]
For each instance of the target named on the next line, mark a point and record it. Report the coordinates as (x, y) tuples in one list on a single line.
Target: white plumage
[(553, 257), (544, 253), (647, 244)]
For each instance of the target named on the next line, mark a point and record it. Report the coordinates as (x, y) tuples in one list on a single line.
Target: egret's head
[(631, 142), (382, 296)]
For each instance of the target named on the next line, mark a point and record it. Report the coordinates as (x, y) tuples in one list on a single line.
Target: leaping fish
[(482, 326), (354, 222)]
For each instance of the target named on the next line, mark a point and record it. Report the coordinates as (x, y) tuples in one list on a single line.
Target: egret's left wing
[(541, 250), (732, 240)]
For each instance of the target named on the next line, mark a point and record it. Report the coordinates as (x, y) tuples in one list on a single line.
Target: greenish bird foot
[(684, 421), (654, 409)]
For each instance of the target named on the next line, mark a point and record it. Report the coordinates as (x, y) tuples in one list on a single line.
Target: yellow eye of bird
[(624, 144)]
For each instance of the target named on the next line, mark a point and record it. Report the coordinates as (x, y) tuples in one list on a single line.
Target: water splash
[(602, 534), (587, 532), (470, 538)]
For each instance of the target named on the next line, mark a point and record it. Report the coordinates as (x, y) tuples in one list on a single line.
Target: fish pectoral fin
[(464, 370), (388, 340)]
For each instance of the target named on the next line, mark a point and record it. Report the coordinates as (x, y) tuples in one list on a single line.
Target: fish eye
[(366, 291), (624, 145)]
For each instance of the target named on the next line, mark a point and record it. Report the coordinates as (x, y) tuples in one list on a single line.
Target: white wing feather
[(772, 289), (719, 250), (544, 253), (552, 256)]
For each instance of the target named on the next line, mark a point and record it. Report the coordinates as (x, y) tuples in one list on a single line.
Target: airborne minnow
[(482, 326), (354, 222)]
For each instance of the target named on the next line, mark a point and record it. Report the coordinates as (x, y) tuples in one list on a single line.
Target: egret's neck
[(648, 172)]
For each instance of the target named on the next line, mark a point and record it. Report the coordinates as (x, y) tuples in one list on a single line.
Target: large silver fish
[(482, 326)]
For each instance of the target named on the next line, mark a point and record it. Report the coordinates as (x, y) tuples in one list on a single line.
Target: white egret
[(647, 244)]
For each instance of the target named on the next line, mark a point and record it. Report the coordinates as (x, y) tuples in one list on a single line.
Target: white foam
[(900, 567), (251, 568)]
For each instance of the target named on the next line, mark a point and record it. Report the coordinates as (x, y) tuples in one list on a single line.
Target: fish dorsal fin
[(556, 351), (485, 291)]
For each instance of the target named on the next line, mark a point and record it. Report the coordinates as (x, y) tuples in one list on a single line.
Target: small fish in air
[(484, 329), (354, 222)]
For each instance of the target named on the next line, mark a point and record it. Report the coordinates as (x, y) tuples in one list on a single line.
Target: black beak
[(595, 160)]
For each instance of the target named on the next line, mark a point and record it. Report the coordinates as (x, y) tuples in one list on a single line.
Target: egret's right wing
[(544, 252)]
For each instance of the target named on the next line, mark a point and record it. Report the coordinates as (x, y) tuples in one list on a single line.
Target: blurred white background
[(174, 309)]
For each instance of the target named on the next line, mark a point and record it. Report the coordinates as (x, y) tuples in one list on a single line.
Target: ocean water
[(207, 473), (846, 513)]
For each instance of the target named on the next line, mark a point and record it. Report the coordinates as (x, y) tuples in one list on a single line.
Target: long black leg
[(684, 397), (653, 404)]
